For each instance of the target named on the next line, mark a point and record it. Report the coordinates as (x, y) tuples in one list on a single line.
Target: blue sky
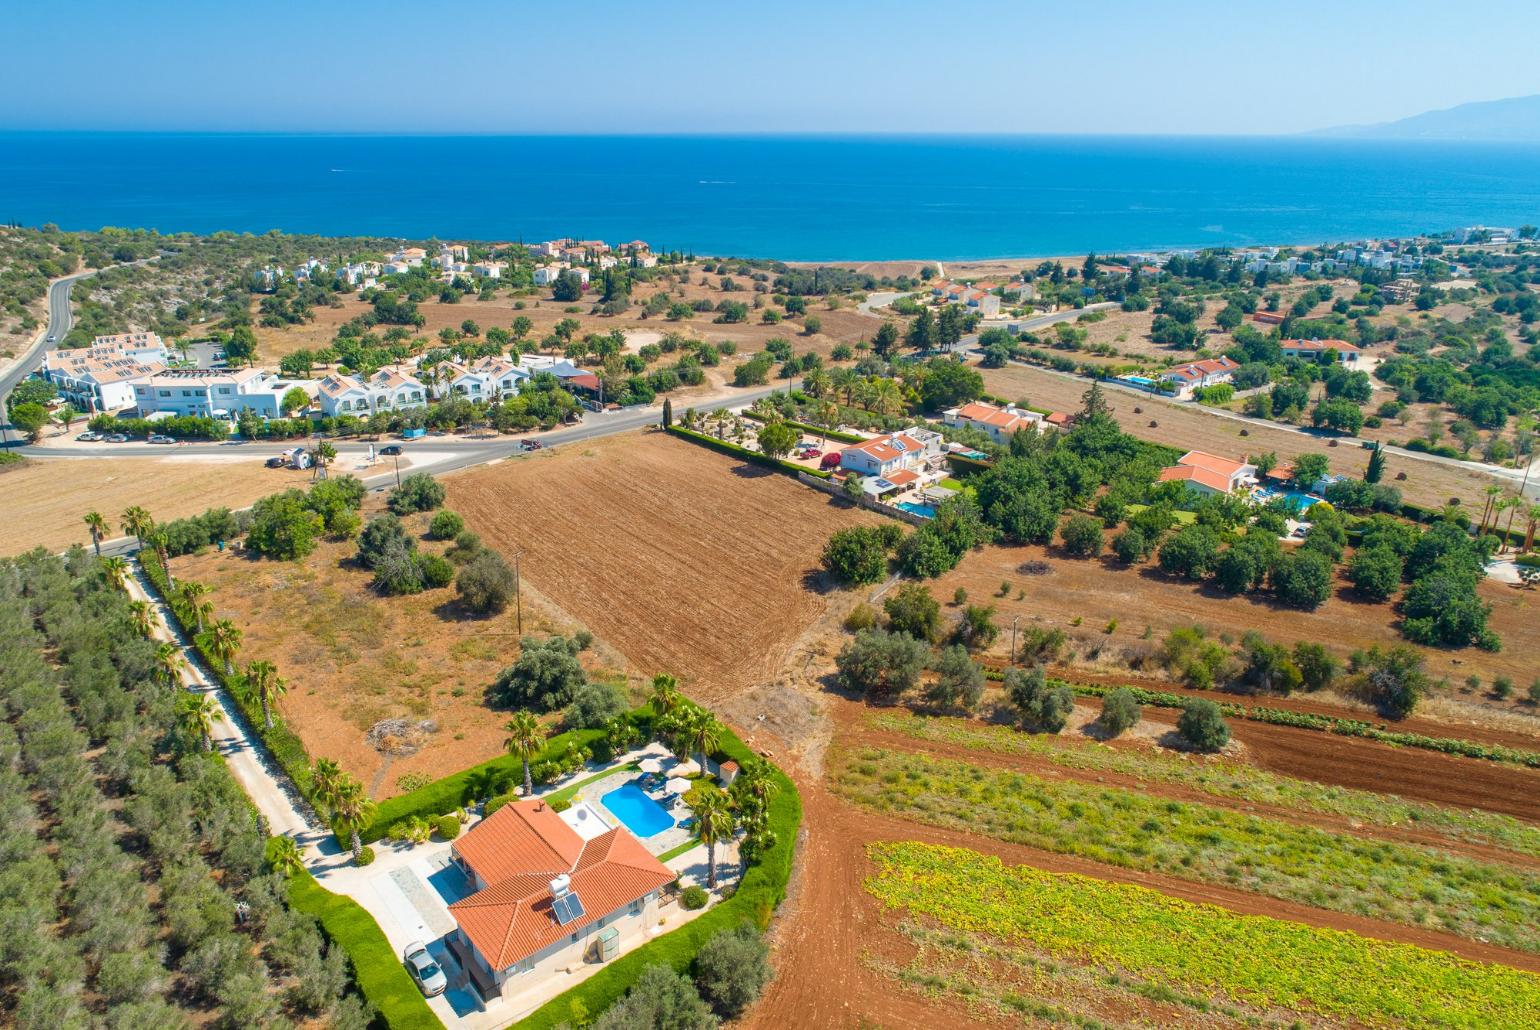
[(1180, 66)]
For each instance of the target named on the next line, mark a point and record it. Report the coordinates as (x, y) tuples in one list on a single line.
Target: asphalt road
[(60, 318)]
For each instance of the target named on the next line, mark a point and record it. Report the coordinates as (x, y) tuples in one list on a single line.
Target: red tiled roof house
[(1206, 473), (542, 891), (1182, 380), (1312, 350)]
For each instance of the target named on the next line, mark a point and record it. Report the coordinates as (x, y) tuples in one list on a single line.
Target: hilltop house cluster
[(581, 257)]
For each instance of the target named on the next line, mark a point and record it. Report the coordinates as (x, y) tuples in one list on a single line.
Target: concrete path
[(249, 762)]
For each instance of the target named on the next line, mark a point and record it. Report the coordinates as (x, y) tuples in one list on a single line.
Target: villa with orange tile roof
[(1000, 423), (1182, 380), (1311, 350), (975, 298), (885, 456), (1206, 473), (543, 890)]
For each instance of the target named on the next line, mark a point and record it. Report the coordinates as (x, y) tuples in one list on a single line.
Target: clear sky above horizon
[(1184, 66)]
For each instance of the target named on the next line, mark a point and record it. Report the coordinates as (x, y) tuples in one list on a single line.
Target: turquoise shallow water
[(643, 816), (810, 198)]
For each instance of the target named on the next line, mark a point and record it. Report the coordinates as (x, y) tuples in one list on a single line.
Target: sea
[(795, 198)]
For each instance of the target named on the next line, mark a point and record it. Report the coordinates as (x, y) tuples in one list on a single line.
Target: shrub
[(1202, 726), (1317, 667), (437, 571), (1082, 536), (976, 627), (856, 556), (594, 705), (485, 583), (732, 969), (694, 897), (417, 492), (446, 525), (543, 678), (912, 610), (1120, 712), (1130, 546), (1391, 679), (494, 804), (284, 527), (397, 571), (862, 616), (1037, 703), (660, 998), (366, 855), (958, 682), (880, 663), (382, 533), (448, 826)]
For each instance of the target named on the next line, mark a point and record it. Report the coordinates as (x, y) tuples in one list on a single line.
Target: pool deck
[(658, 843)]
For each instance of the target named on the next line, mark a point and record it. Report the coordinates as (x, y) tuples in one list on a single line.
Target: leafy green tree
[(949, 383), (567, 288), (885, 341), (856, 556), (1376, 470), (913, 610), (1375, 572), (660, 998), (1317, 666), (543, 677), (1302, 579), (1120, 712), (1190, 552), (1082, 536), (732, 968), (1308, 469), (976, 628), (1202, 725), (417, 492), (777, 439), (1131, 546), (30, 418), (283, 527), (1442, 609), (485, 584), (922, 331), (1036, 703), (881, 664), (445, 525), (1392, 679), (594, 705), (958, 682), (382, 533)]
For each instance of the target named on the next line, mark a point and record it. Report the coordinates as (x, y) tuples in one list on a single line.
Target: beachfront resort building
[(1205, 473), (1312, 350), (101, 377), (389, 389), (214, 393), (546, 890), (1182, 380)]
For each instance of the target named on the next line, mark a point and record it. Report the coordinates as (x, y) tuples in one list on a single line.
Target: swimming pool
[(1143, 381), (642, 815), (1297, 500), (924, 511)]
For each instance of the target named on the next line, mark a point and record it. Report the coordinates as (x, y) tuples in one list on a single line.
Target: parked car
[(115, 438), (809, 453), (391, 450), (425, 970), (161, 438), (88, 437), (277, 461)]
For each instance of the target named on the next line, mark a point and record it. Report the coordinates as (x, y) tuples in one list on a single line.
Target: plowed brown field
[(685, 560)]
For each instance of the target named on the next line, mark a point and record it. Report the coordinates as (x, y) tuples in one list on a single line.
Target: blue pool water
[(1297, 500), (642, 815), (1138, 380), (924, 511)]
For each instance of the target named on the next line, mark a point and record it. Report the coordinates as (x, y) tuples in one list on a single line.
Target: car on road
[(115, 438), (277, 461), (89, 437), (391, 450), (53, 339), (425, 970), (530, 445), (161, 438)]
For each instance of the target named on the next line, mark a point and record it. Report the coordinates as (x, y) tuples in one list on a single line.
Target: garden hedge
[(377, 969), (760, 891), (747, 455)]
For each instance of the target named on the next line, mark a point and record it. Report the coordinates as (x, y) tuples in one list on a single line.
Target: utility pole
[(518, 596), (1014, 620), (397, 457)]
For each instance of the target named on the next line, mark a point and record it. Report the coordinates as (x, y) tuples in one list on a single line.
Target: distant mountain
[(1516, 119)]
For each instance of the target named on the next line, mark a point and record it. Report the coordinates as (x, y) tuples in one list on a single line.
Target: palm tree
[(1513, 504), (526, 739), (325, 780), (816, 382), (886, 398), (225, 643), (284, 856), (1531, 522), (352, 809), (143, 615), (116, 569), (138, 522), (713, 823), (665, 698), (192, 594), (197, 719), (701, 732), (156, 538), (97, 524), (1493, 492), (169, 664), (268, 686)]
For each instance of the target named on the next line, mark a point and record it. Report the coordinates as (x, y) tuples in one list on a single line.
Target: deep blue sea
[(796, 198)]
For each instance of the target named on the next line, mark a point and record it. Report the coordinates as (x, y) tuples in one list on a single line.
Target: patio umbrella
[(678, 785), (651, 765)]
